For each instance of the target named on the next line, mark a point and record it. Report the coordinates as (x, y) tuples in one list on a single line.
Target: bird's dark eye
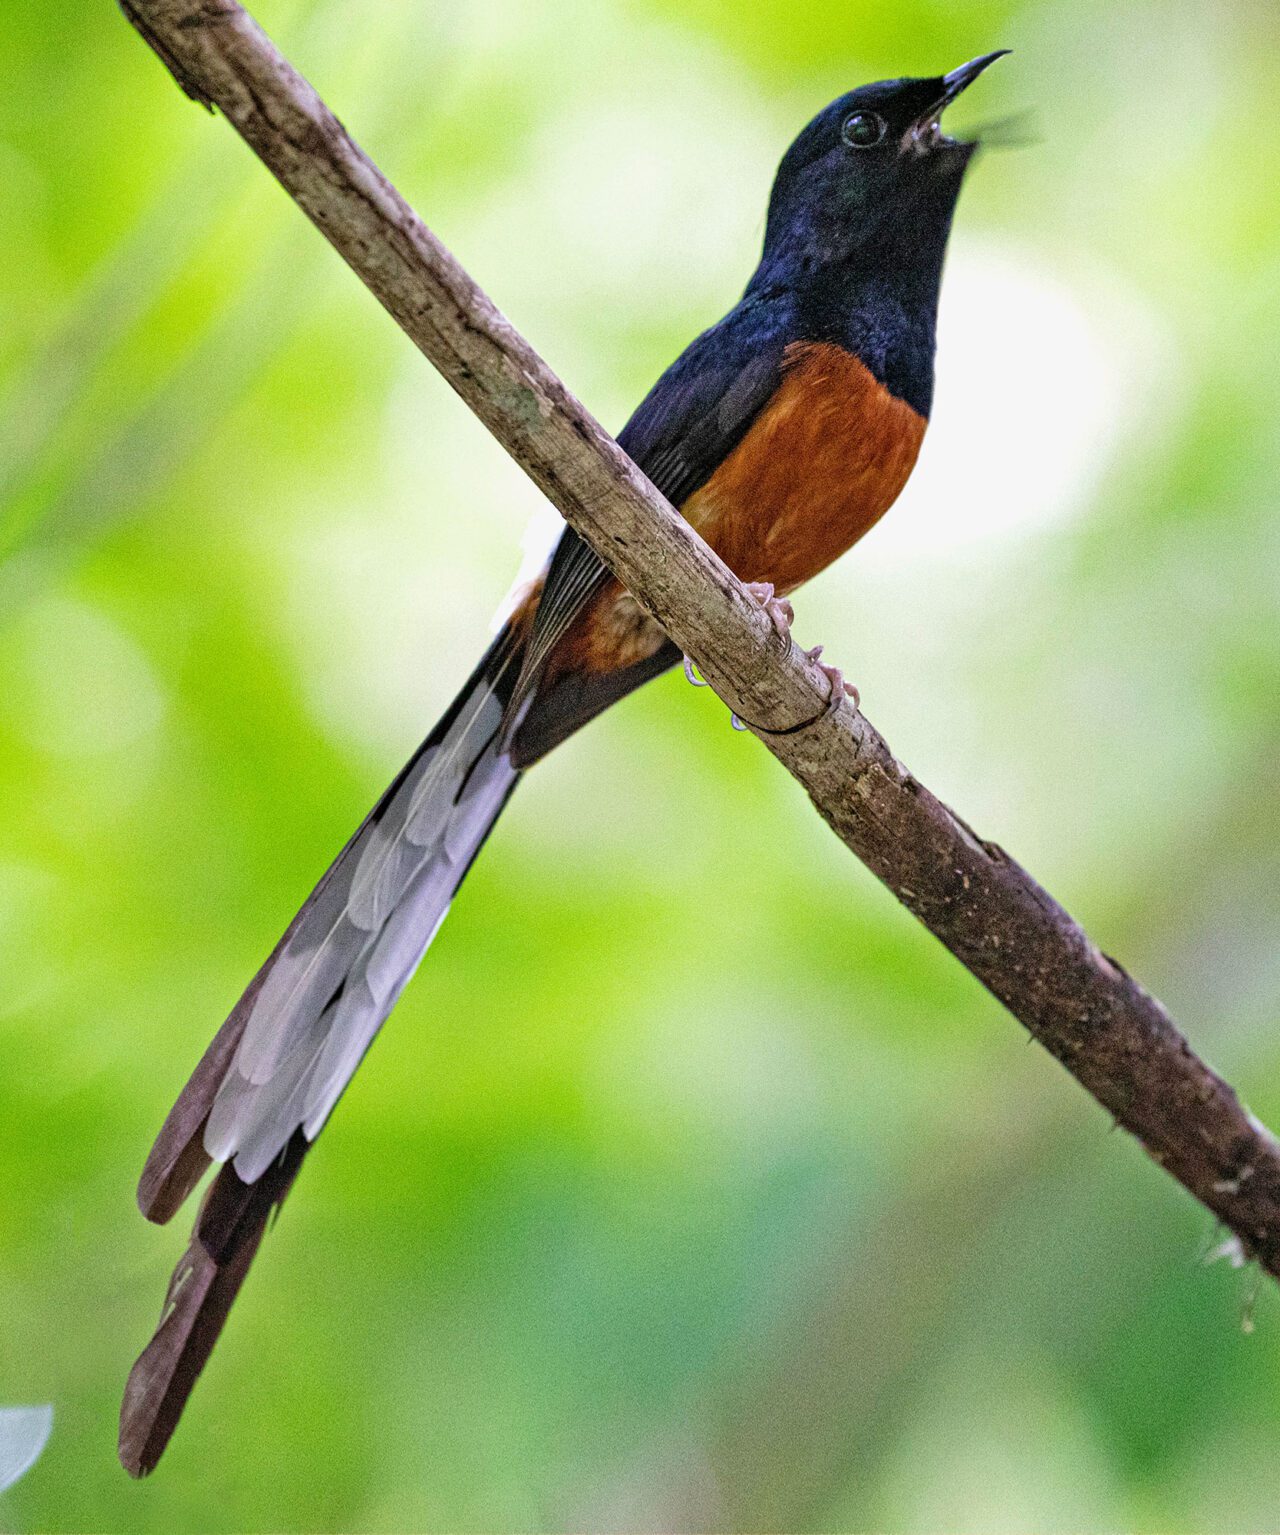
[(863, 130)]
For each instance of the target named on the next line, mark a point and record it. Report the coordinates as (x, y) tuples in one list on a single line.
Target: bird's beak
[(925, 133), (961, 79)]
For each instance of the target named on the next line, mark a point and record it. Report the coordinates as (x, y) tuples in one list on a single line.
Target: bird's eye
[(863, 130)]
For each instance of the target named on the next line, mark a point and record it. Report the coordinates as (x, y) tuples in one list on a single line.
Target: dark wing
[(684, 429), (701, 407)]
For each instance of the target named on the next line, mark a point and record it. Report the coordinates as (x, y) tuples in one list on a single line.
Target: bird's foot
[(783, 615), (839, 687), (778, 608), (780, 612)]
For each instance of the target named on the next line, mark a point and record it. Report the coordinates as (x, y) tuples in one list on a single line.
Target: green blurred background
[(693, 1186)]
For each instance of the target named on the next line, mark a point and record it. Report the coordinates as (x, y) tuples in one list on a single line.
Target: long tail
[(274, 1071)]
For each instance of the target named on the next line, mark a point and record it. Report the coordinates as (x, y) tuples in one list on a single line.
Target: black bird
[(782, 434)]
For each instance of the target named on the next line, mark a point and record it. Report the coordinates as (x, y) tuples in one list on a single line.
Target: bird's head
[(873, 177)]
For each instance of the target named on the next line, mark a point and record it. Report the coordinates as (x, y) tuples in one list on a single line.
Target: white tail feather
[(334, 982)]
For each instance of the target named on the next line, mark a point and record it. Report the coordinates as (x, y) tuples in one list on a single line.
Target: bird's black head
[(874, 169), (863, 201)]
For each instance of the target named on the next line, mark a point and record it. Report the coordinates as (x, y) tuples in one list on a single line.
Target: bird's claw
[(691, 676), (783, 615), (839, 687), (778, 608)]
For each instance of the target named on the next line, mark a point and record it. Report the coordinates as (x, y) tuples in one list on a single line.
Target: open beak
[(926, 132)]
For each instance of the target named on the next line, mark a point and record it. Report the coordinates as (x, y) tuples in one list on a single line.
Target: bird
[(782, 434)]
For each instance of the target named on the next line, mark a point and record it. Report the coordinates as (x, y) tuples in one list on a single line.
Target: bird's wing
[(701, 407)]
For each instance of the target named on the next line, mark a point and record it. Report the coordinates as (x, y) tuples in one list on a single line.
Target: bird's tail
[(274, 1071)]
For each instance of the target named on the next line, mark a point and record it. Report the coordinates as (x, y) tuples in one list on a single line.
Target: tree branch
[(1109, 1033)]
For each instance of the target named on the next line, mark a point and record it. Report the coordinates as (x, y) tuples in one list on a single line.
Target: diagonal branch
[(1109, 1033)]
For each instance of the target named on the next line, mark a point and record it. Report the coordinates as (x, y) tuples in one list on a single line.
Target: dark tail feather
[(204, 1285)]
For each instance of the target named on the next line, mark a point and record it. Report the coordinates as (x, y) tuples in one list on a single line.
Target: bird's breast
[(822, 462), (820, 465)]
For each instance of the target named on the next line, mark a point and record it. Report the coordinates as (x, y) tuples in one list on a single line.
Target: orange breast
[(823, 462)]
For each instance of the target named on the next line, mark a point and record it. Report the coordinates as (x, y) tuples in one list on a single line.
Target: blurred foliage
[(692, 1186)]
